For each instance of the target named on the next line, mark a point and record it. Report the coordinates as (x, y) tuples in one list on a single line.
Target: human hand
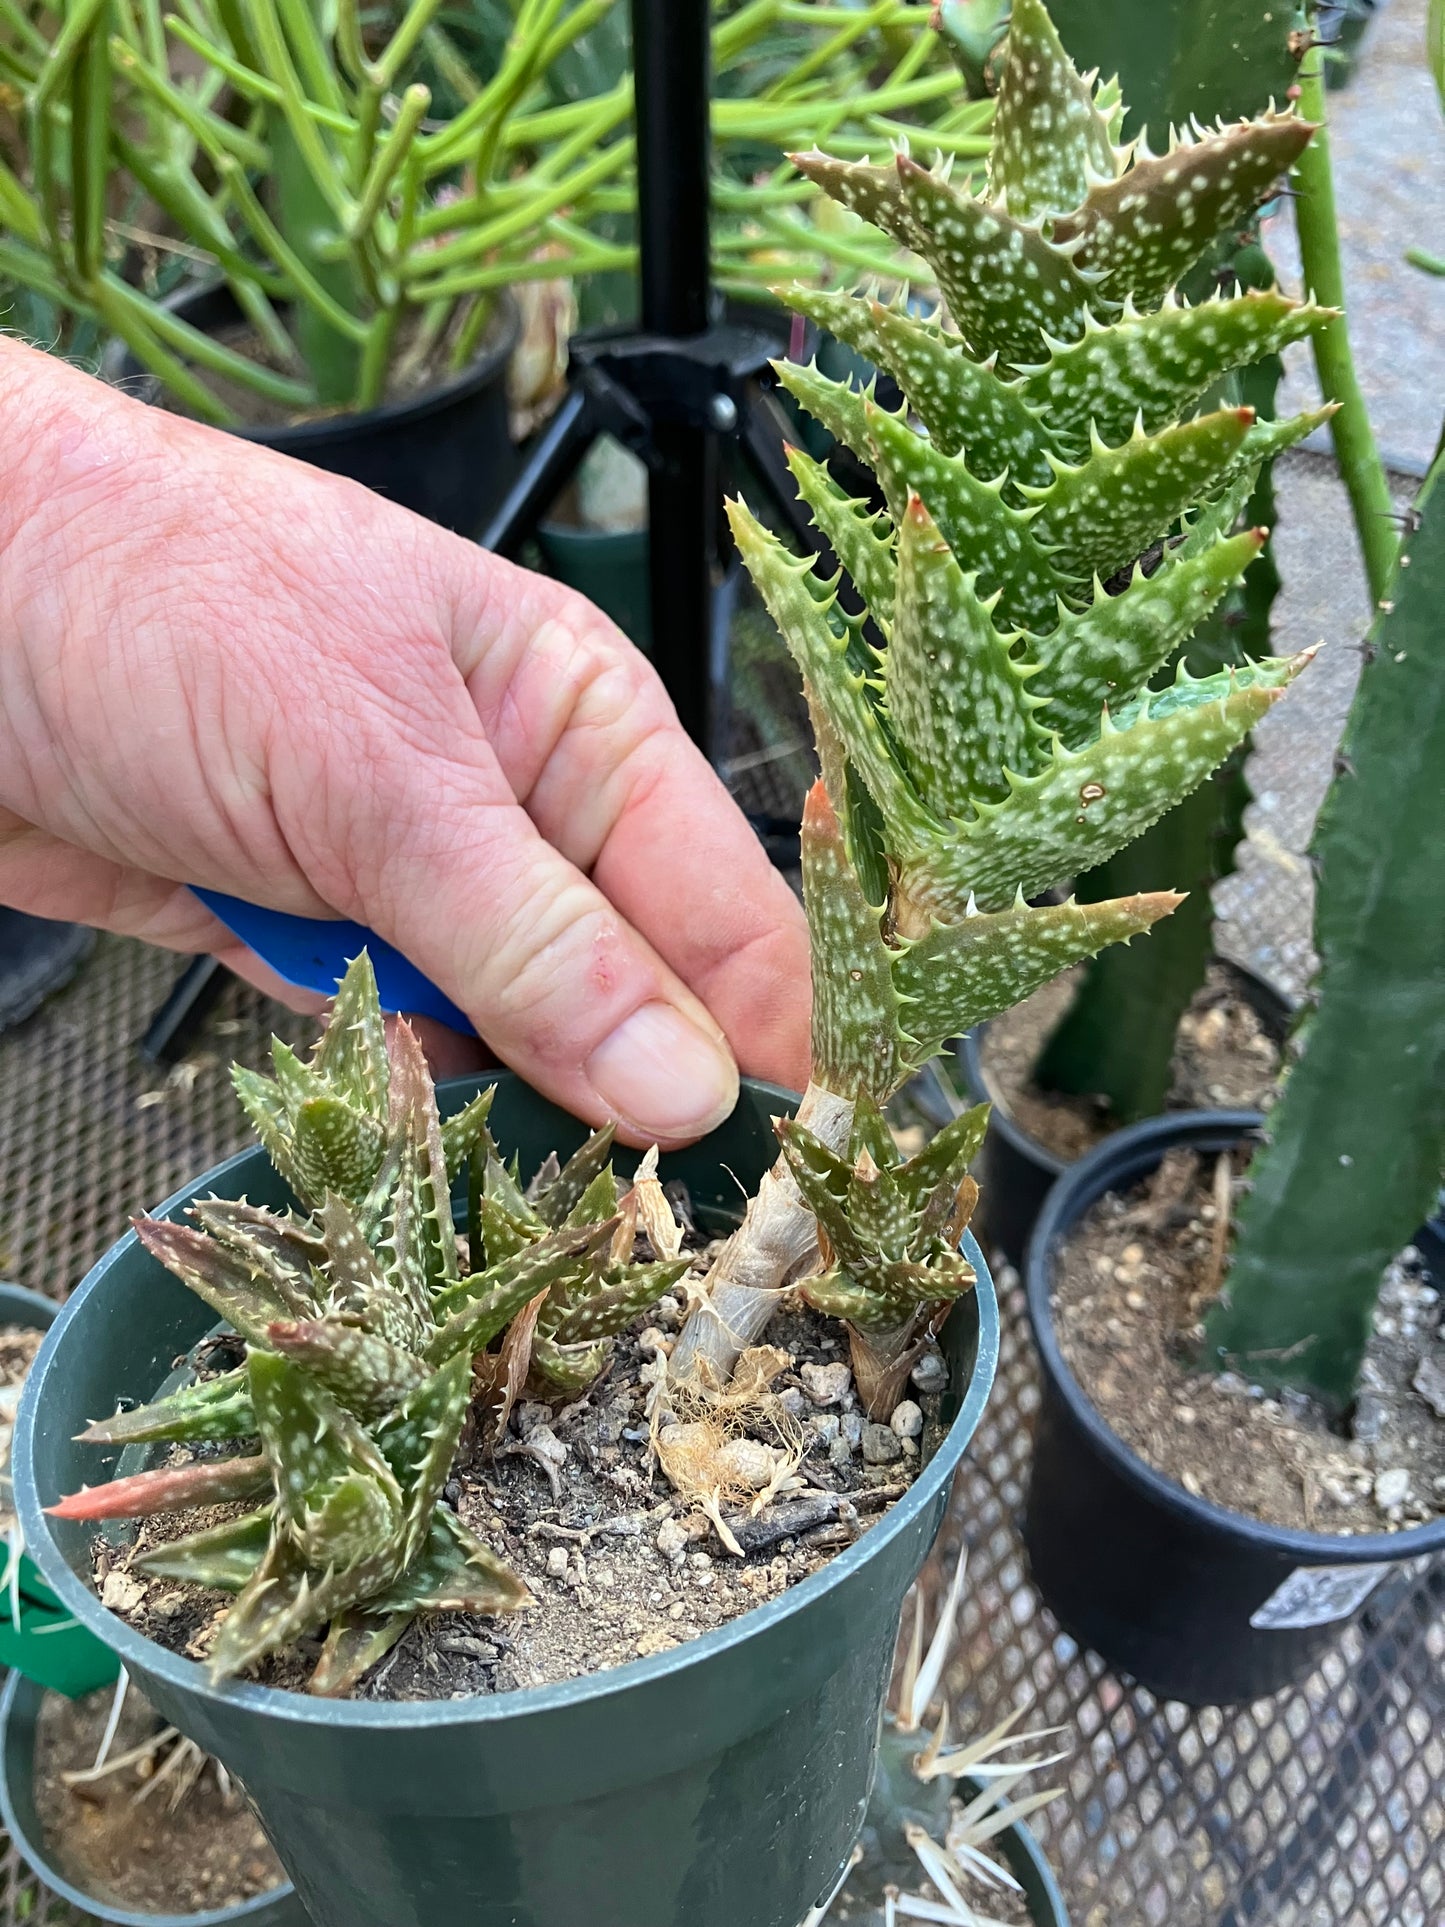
[(221, 667)]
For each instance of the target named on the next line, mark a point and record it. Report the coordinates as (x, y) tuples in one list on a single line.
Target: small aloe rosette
[(372, 1333), (986, 663)]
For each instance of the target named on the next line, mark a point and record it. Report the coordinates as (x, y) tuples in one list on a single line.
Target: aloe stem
[(1354, 439)]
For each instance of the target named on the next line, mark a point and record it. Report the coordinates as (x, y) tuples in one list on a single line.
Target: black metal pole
[(671, 70)]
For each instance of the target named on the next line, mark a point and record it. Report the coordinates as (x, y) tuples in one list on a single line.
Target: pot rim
[(294, 438), (1002, 1119), (19, 1304), (39, 1860), (1081, 1185), (188, 1675)]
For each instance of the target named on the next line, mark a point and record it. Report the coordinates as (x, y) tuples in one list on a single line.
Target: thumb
[(559, 984)]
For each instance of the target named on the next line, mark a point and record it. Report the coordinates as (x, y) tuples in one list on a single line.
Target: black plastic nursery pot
[(1197, 1603), (1015, 1172), (1030, 1868), (37, 956), (721, 1784), (19, 1710), (446, 453)]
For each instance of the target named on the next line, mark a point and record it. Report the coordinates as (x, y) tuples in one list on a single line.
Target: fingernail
[(662, 1075)]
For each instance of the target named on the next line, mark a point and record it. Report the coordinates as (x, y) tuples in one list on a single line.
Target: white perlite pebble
[(557, 1562), (746, 1462), (826, 1384), (930, 1374), (1392, 1487), (671, 1538), (907, 1419)]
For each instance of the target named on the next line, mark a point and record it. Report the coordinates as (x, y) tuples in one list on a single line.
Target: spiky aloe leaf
[(419, 1441), (1100, 515), (557, 1200), (861, 539), (961, 974), (567, 1369), (336, 1496), (361, 1370), (232, 1288), (454, 1572), (1140, 232), (963, 404), (279, 1246), (261, 1100), (1156, 365), (598, 1201), (359, 1291), (855, 1004), (471, 1313), (169, 1488), (975, 521), (215, 1408), (1010, 289), (351, 1054), (945, 1159), (1265, 440), (1085, 804), (225, 1557), (956, 699), (1050, 142), (355, 1641), (842, 410), (1106, 651), (500, 1234), (872, 190), (283, 1599), (465, 1130), (801, 607), (421, 1236), (579, 1316)]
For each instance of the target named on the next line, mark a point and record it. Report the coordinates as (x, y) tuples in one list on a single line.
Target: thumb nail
[(662, 1075)]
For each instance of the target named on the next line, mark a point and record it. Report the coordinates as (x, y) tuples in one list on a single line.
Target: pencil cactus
[(988, 724), (362, 1321)]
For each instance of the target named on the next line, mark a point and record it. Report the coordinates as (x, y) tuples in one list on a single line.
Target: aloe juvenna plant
[(363, 1326), (1057, 519)]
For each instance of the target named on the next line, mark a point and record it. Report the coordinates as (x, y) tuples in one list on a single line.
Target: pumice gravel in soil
[(1224, 1059), (140, 1818), (1130, 1284), (620, 1564)]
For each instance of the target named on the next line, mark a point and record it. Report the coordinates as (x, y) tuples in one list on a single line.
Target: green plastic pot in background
[(49, 1644), (721, 1784), (19, 1710), (608, 567)]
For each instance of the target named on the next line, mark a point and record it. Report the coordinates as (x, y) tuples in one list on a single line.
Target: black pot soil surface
[(1194, 1600), (445, 453), (1228, 1054), (718, 1784), (110, 1845)]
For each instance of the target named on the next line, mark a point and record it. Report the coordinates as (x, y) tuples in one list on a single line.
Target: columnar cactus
[(361, 1323), (1052, 531)]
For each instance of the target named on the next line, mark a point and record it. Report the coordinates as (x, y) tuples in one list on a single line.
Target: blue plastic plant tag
[(312, 953)]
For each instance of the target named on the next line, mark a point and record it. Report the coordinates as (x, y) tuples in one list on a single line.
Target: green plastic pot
[(19, 1710), (48, 1644), (721, 1784), (609, 568)]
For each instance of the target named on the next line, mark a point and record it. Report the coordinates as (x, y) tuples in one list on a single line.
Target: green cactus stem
[(1356, 1142), (996, 725), (361, 1321)]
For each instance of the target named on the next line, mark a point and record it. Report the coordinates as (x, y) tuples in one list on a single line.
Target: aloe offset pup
[(1056, 522)]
